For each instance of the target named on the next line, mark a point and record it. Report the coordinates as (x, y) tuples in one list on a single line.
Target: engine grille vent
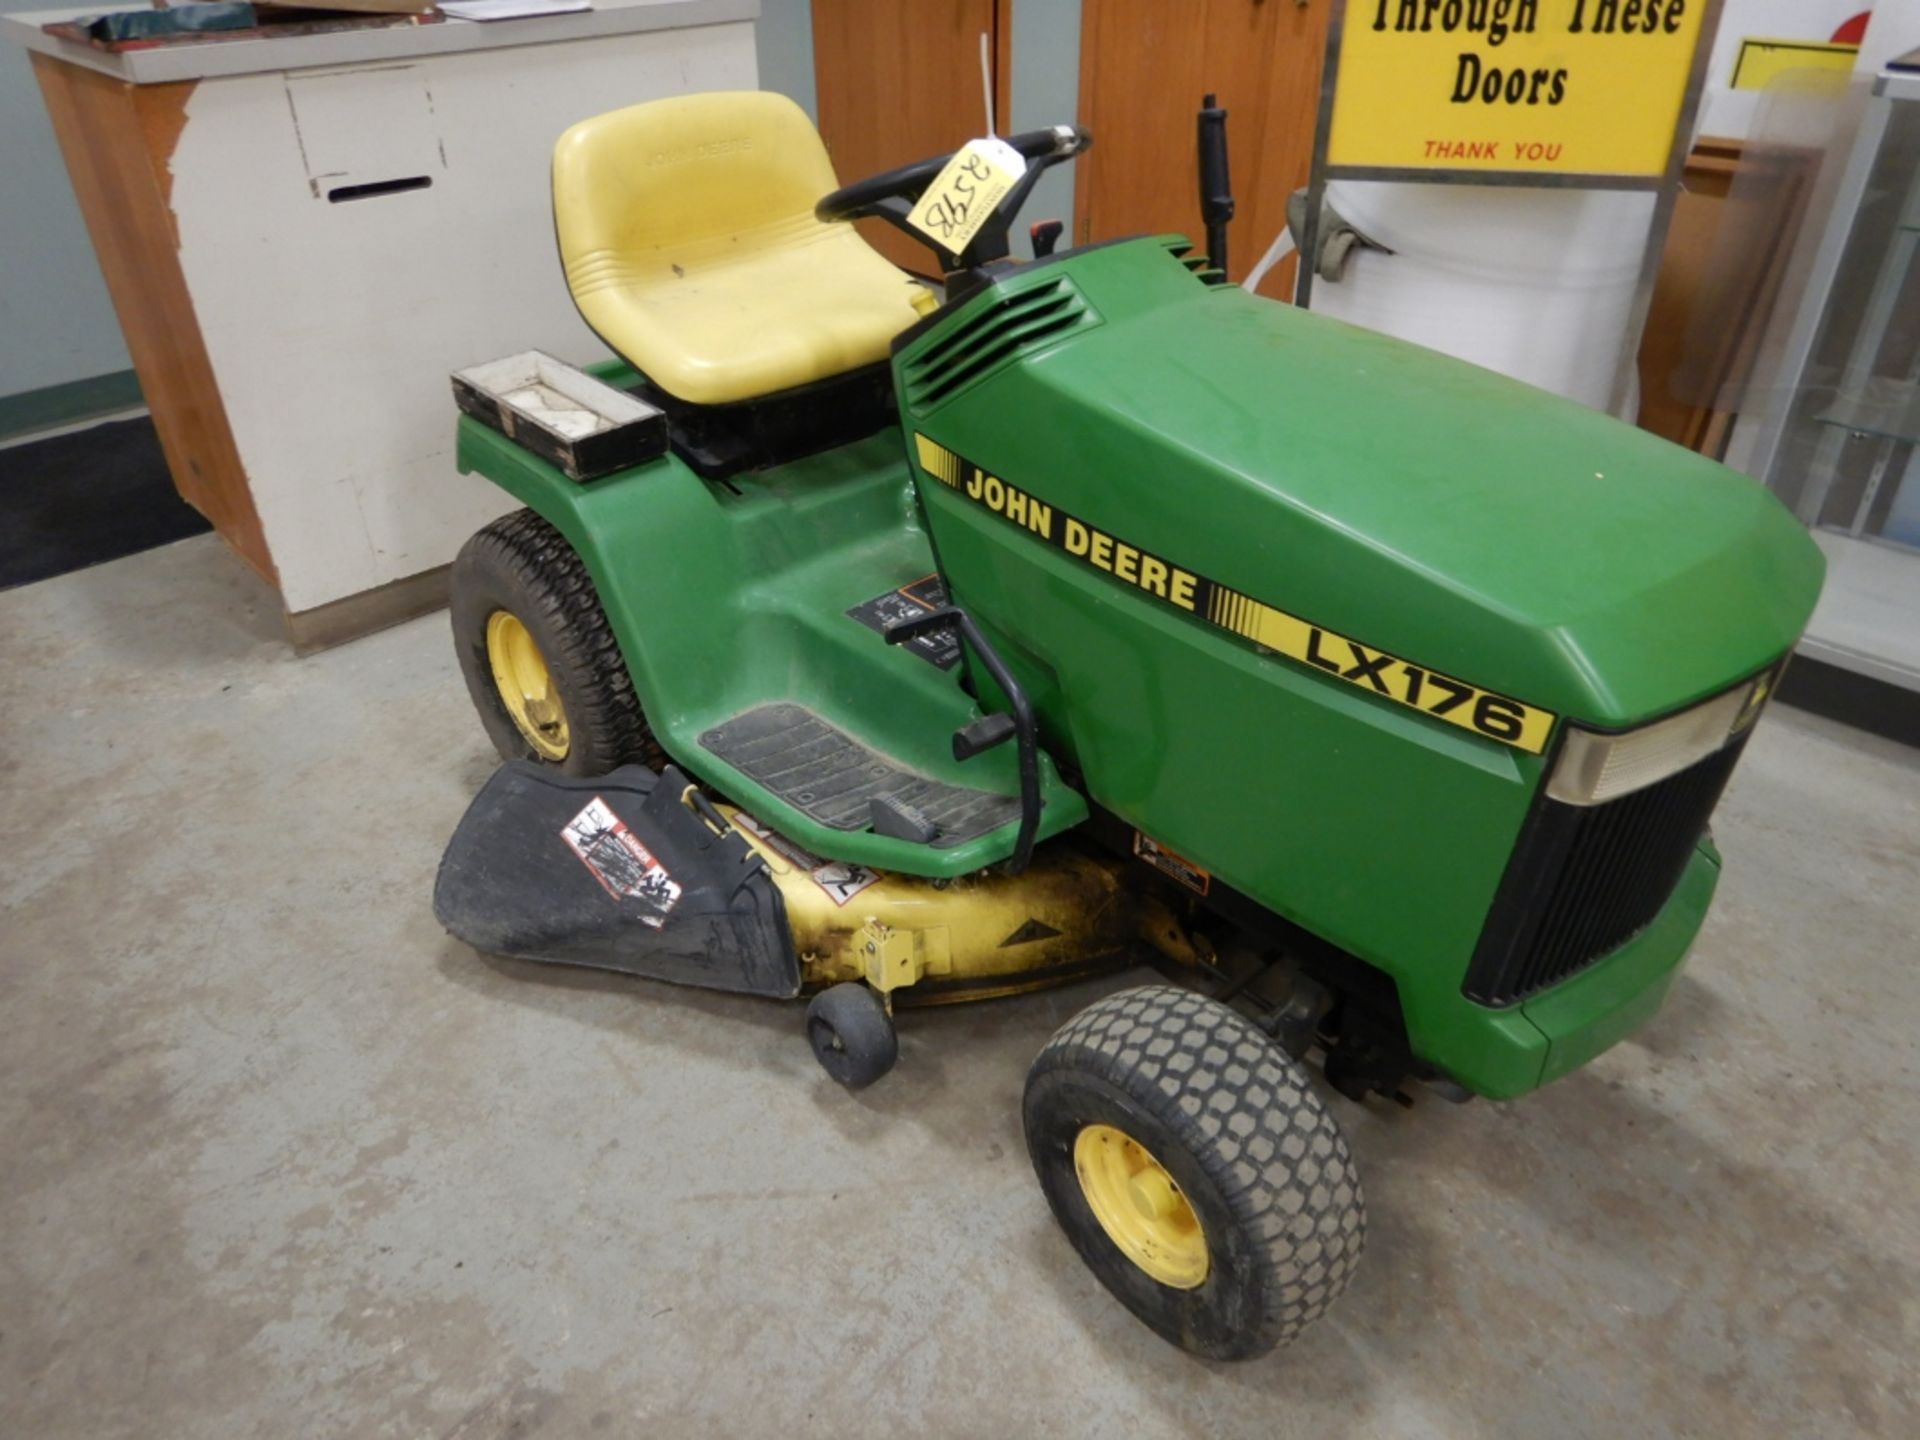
[(1014, 326), (1584, 880), (1182, 249)]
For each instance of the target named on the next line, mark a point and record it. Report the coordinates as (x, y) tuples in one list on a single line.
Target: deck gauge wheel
[(852, 1035)]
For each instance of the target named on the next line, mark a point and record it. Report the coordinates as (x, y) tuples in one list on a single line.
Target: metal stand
[(1666, 185)]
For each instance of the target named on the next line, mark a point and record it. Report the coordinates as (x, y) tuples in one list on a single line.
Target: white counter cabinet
[(304, 236)]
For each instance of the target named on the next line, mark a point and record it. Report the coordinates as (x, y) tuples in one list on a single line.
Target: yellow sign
[(954, 207), (1762, 62), (1572, 87)]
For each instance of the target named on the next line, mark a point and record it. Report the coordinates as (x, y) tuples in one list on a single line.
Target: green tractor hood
[(1423, 505)]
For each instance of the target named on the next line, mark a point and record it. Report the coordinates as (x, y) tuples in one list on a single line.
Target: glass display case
[(1844, 449)]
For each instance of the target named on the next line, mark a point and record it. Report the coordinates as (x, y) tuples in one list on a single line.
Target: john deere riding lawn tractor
[(880, 645)]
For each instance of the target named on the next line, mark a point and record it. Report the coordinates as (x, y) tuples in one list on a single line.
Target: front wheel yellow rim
[(1140, 1206), (525, 685)]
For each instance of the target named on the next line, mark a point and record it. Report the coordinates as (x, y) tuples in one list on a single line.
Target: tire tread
[(531, 557), (1251, 1118)]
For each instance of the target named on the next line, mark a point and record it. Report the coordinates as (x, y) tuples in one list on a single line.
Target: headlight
[(1592, 768)]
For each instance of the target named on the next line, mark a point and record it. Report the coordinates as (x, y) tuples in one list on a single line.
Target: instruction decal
[(625, 868), (1484, 712), (841, 881), (964, 194), (1171, 864), (939, 648)]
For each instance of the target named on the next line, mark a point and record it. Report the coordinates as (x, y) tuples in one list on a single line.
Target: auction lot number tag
[(965, 193)]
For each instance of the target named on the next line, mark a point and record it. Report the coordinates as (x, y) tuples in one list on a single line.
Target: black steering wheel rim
[(892, 194)]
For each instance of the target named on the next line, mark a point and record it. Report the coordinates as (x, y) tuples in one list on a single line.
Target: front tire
[(1195, 1169), (540, 659)]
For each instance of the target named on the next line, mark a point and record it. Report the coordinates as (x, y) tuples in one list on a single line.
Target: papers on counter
[(509, 9)]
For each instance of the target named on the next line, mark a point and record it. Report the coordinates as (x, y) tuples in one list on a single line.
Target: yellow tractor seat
[(686, 228)]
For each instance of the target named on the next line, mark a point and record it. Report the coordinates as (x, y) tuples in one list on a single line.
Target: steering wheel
[(892, 194)]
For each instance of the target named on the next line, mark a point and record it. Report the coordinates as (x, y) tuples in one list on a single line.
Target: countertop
[(208, 59)]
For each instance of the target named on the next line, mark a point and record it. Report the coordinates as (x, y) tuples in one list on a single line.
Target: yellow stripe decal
[(937, 461), (1484, 712)]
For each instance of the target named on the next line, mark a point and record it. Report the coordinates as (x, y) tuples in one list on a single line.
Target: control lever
[(1216, 191), (990, 730), (900, 821), (983, 734), (1045, 234)]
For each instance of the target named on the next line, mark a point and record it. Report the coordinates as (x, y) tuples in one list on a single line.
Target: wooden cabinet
[(1145, 66), (900, 82)]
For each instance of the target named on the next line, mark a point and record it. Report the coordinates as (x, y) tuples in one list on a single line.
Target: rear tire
[(1233, 1136), (521, 567)]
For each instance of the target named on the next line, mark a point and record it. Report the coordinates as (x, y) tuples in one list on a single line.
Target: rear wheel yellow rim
[(526, 687), (1140, 1206)]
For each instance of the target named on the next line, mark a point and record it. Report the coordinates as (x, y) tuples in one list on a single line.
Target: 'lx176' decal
[(1484, 712)]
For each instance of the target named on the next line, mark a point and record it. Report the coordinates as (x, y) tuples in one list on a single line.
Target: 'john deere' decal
[(1525, 727)]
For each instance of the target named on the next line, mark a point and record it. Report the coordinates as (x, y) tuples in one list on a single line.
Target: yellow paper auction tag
[(965, 193)]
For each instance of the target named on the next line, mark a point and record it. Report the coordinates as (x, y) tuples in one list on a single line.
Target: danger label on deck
[(625, 868), (839, 880), (1484, 712)]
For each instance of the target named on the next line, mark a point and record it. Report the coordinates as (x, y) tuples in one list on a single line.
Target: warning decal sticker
[(939, 648), (1484, 712), (841, 881), (624, 867), (1170, 864)]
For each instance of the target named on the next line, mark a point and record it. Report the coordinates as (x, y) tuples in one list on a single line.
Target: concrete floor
[(279, 1159)]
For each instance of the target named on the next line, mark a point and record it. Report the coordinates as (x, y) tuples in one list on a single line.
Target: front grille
[(1585, 879)]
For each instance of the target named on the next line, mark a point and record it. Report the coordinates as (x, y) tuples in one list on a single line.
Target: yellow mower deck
[(973, 938)]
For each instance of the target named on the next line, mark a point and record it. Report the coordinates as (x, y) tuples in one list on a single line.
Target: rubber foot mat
[(826, 774), (74, 500)]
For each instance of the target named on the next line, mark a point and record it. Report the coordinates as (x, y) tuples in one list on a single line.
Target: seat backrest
[(685, 173), (687, 231)]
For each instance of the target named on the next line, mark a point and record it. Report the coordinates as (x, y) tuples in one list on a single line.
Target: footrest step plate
[(828, 775)]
